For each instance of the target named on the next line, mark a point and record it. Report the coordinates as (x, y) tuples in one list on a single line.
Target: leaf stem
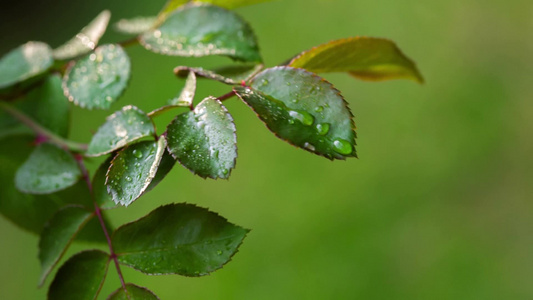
[(129, 42), (226, 96), (40, 130)]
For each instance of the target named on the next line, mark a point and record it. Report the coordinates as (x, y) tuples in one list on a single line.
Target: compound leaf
[(303, 109), (86, 40), (98, 79), (121, 128), (81, 277), (25, 62), (363, 57), (133, 169), (57, 235), (201, 30), (47, 170), (204, 140), (136, 25), (195, 242), (135, 292)]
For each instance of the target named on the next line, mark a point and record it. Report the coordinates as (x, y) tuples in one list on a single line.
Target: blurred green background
[(438, 206)]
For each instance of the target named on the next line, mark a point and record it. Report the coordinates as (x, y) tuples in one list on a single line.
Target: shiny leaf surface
[(134, 293), (101, 196), (26, 61), (136, 25), (186, 95)]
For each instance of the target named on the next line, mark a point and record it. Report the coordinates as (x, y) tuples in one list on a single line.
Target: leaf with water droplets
[(121, 128), (101, 196), (86, 40), (136, 25), (363, 57), (302, 109), (172, 5), (186, 95), (201, 30), (25, 62), (47, 170), (204, 140), (57, 235), (135, 292), (165, 165), (196, 242), (81, 277), (232, 75), (133, 169), (98, 79)]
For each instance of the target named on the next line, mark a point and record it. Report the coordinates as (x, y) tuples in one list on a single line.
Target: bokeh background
[(438, 206)]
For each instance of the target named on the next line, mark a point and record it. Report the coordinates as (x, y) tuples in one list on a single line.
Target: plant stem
[(129, 42), (40, 130), (226, 96)]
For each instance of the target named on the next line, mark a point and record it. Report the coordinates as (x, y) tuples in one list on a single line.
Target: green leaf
[(232, 75), (204, 140), (302, 109), (186, 95), (47, 170), (172, 5), (101, 196), (25, 62), (98, 79), (200, 30), (81, 277), (57, 235), (134, 293), (133, 169), (363, 57), (136, 25), (120, 129), (27, 211), (196, 242), (165, 165), (86, 40)]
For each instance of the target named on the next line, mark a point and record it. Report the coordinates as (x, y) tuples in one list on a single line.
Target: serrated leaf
[(133, 169), (47, 170), (57, 235), (196, 242), (186, 95), (363, 57), (172, 5), (302, 109), (204, 140), (98, 79), (201, 30), (165, 165), (121, 128), (101, 196), (135, 292), (81, 277), (27, 211), (136, 25), (232, 75), (25, 62), (86, 40)]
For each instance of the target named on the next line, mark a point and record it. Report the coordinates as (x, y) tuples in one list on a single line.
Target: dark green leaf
[(121, 128), (57, 235), (92, 231), (136, 25), (172, 5), (186, 95), (178, 239), (101, 196), (165, 165), (200, 30), (134, 293), (25, 62), (233, 75), (98, 79), (303, 109), (363, 57), (133, 169), (86, 40), (81, 277), (204, 140), (27, 211), (47, 170)]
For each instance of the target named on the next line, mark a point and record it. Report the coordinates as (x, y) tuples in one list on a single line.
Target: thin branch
[(226, 96), (129, 42)]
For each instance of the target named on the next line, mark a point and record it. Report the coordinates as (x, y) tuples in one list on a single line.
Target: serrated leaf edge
[(130, 284)]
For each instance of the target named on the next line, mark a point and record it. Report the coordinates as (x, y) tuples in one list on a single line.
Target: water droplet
[(288, 83), (309, 146), (137, 154), (322, 128), (303, 117), (265, 82), (291, 121), (219, 252), (225, 171), (294, 100), (128, 178), (319, 108), (342, 146)]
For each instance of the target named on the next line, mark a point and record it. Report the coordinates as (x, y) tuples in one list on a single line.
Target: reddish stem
[(226, 96)]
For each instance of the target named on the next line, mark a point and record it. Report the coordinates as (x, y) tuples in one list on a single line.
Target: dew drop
[(322, 128), (225, 171), (342, 146), (265, 82), (303, 117), (291, 121), (319, 108), (219, 252), (128, 178), (137, 154)]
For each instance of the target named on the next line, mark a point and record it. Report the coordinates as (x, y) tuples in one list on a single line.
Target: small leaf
[(57, 235), (134, 293), (165, 165), (120, 129), (81, 277), (101, 196), (303, 109), (48, 169), (86, 40), (201, 30), (196, 242), (172, 5), (98, 79), (25, 62), (365, 58), (136, 25), (232, 75), (204, 140), (133, 169), (187, 93)]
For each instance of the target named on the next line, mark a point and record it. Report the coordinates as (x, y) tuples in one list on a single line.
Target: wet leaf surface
[(25, 62)]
